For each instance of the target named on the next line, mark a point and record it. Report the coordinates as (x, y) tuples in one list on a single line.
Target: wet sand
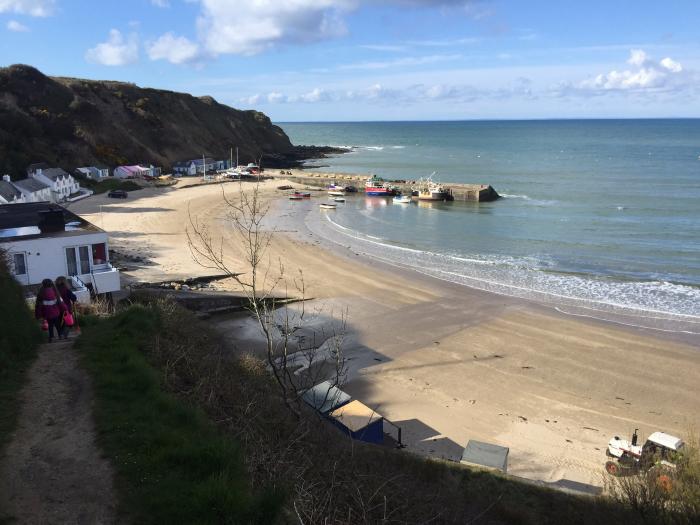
[(445, 362)]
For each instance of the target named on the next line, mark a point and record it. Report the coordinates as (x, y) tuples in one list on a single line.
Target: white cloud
[(647, 75), (14, 25), (27, 7), (174, 49), (671, 65), (401, 62), (245, 27), (117, 51), (161, 3)]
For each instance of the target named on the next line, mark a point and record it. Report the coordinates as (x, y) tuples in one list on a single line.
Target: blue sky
[(309, 60)]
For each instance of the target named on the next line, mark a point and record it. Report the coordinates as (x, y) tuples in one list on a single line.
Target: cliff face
[(70, 122)]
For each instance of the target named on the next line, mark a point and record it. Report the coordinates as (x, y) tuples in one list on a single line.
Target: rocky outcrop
[(70, 122)]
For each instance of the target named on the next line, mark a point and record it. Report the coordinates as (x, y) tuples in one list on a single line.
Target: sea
[(597, 218)]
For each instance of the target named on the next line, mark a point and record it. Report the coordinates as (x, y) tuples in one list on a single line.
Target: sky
[(349, 60)]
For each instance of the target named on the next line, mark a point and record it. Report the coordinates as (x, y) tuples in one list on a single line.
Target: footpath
[(52, 470)]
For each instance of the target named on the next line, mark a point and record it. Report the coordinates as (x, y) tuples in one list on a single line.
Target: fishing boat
[(327, 206), (378, 187), (338, 199), (402, 199), (428, 190)]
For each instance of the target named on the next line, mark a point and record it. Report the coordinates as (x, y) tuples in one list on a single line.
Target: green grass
[(19, 339), (172, 464), (108, 185)]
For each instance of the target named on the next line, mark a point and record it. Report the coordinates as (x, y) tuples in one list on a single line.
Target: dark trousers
[(54, 323)]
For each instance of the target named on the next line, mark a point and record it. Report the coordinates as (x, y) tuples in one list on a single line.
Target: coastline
[(446, 362)]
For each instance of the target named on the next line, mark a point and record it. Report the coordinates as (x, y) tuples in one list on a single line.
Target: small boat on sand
[(302, 194), (327, 206), (296, 198), (339, 199), (402, 199)]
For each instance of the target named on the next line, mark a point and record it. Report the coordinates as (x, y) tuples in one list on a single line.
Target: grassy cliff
[(19, 338), (70, 122)]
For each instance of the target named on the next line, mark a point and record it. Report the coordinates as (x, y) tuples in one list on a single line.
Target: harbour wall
[(459, 192)]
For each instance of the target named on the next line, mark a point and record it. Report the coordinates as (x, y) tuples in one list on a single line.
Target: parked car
[(117, 194)]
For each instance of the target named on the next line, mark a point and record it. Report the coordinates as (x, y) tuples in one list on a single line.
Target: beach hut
[(359, 421), (325, 397), (485, 455)]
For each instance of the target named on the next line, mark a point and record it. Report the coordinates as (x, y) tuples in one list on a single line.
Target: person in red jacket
[(68, 298), (49, 306)]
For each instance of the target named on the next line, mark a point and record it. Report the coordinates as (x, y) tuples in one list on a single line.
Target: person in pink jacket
[(49, 306)]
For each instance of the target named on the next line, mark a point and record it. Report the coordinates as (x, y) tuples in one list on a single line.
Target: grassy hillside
[(173, 465), (19, 338), (323, 476), (71, 122)]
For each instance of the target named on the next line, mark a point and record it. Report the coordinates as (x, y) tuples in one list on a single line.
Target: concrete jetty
[(459, 192)]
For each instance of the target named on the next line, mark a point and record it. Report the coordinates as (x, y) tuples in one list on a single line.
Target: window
[(19, 264), (78, 260), (99, 254)]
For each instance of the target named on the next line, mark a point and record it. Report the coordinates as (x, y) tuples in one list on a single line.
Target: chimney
[(51, 221), (6, 178)]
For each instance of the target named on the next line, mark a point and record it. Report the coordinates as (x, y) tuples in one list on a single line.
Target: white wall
[(46, 257)]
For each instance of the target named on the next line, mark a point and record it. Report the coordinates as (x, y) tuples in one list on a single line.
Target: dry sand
[(445, 362)]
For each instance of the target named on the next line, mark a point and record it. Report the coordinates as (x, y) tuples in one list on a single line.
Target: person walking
[(69, 299), (49, 306)]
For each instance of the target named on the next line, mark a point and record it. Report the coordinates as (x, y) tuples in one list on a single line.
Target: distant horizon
[(417, 121)]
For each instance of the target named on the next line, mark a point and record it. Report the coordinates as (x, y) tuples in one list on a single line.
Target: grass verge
[(173, 466), (109, 185), (19, 340)]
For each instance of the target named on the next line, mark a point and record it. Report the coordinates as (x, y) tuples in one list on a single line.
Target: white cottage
[(32, 190), (44, 240), (62, 183), (96, 173), (9, 194)]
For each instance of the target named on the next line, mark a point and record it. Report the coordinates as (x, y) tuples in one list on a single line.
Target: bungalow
[(44, 240), (33, 190), (151, 170), (97, 173), (9, 194), (62, 183), (198, 166), (129, 172)]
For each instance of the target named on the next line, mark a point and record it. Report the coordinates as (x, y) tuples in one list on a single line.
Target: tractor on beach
[(660, 453)]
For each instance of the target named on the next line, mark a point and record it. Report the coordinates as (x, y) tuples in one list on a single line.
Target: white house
[(32, 190), (97, 173), (44, 240), (9, 194), (197, 166), (62, 183)]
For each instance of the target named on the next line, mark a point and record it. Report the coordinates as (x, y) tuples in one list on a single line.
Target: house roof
[(325, 397), (132, 169), (199, 162), (23, 220), (8, 191), (37, 166), (355, 416), (54, 173), (30, 185)]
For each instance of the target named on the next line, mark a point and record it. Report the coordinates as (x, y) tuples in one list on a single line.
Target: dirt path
[(53, 471)]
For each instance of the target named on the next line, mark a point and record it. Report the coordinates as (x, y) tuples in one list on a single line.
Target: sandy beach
[(445, 362)]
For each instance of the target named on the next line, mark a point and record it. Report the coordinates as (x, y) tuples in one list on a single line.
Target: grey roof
[(325, 397), (31, 185), (486, 455), (54, 173), (37, 166), (8, 191)]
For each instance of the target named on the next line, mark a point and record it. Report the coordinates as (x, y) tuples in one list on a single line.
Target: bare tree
[(297, 355)]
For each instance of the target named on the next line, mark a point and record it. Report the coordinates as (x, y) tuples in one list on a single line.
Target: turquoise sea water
[(598, 217)]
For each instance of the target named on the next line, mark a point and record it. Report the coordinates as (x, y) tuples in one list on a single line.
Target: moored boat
[(378, 187), (402, 199), (338, 199), (302, 194), (336, 193), (327, 206), (428, 190)]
